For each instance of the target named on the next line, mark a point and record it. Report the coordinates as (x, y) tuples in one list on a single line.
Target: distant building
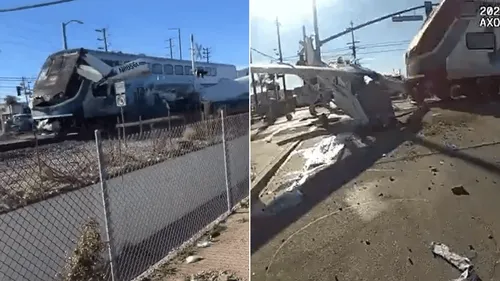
[(19, 108)]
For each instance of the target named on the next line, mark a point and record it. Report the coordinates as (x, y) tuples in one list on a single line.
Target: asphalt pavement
[(374, 214)]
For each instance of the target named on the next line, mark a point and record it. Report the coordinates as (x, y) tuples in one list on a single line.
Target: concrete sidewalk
[(226, 257)]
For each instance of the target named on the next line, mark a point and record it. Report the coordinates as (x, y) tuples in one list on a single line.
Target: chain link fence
[(136, 199)]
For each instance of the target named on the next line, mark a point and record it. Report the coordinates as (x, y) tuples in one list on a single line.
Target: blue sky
[(29, 36), (335, 16)]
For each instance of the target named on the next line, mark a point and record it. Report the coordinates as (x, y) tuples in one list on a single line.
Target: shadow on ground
[(315, 190), (485, 108)]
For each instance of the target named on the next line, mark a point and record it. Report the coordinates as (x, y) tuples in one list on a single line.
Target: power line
[(371, 45), (35, 6), (383, 51), (263, 54)]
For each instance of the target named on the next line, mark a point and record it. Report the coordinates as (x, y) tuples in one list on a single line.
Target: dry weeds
[(87, 263), (33, 174), (213, 275)]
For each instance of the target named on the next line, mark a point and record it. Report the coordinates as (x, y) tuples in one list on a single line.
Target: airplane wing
[(308, 71)]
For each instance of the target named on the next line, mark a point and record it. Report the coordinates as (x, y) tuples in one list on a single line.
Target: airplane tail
[(308, 53)]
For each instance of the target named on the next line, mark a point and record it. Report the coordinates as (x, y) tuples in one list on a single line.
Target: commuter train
[(75, 91), (456, 52)]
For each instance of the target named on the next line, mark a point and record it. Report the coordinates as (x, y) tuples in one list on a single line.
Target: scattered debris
[(204, 244), (213, 276), (459, 190), (461, 263), (216, 231), (242, 220), (451, 146), (193, 259)]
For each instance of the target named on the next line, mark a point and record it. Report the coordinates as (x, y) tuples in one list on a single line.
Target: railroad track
[(32, 142)]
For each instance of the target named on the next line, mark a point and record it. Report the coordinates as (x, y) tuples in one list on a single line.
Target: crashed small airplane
[(361, 93)]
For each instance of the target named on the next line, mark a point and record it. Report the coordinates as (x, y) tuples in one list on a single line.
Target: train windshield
[(56, 77)]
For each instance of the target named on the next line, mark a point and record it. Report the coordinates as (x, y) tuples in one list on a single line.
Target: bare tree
[(10, 101), (261, 81)]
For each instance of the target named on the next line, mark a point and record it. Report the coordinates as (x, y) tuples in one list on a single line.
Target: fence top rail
[(148, 121)]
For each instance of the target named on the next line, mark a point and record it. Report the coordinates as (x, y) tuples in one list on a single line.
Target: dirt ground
[(373, 215), (224, 260)]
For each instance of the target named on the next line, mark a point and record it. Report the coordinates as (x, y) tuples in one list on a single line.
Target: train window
[(188, 70), (214, 71), (209, 71), (168, 69), (179, 70), (480, 40), (157, 68)]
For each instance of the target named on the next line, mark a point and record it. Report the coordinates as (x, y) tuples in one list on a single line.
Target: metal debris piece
[(461, 263), (459, 190), (204, 244), (451, 146), (193, 259)]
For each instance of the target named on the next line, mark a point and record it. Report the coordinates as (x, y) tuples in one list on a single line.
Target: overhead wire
[(33, 6)]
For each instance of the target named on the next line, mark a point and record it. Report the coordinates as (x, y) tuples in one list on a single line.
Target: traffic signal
[(19, 90), (428, 7)]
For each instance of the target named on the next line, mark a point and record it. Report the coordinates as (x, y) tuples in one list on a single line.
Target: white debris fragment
[(322, 155), (193, 259), (461, 263), (451, 146), (204, 244)]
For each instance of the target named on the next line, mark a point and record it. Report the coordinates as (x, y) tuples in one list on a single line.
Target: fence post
[(105, 203), (226, 161), (140, 125)]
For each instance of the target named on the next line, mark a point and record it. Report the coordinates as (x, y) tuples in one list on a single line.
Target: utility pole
[(252, 80), (180, 41), (317, 42), (104, 38), (353, 42), (280, 54), (206, 54), (170, 47)]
